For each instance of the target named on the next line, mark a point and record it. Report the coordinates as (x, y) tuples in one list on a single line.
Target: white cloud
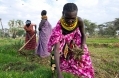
[(87, 3), (95, 10), (3, 10), (115, 9)]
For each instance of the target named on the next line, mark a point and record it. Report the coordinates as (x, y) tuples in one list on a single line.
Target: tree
[(101, 29), (110, 31), (1, 33), (11, 24), (6, 32), (107, 29), (15, 26), (90, 27), (2, 28), (116, 23)]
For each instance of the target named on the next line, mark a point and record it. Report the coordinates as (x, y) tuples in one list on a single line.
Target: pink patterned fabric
[(82, 68)]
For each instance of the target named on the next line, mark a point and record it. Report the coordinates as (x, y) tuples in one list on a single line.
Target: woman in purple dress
[(44, 34)]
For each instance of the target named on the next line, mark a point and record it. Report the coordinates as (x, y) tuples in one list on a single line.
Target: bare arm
[(41, 24), (82, 30), (27, 31), (57, 60), (35, 28)]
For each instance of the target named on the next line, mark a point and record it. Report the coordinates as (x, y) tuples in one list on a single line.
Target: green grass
[(105, 61), (13, 65), (102, 40)]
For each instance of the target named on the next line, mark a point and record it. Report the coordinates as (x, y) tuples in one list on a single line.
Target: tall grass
[(13, 65), (105, 61), (102, 40)]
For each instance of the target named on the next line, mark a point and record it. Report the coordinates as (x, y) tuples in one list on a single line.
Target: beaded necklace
[(44, 17), (67, 26)]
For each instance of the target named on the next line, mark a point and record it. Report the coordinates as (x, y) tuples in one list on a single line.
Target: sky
[(97, 11)]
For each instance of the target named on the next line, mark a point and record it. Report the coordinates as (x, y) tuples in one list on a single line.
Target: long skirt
[(44, 35), (32, 43)]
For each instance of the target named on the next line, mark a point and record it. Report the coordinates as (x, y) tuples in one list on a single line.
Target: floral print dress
[(83, 67)]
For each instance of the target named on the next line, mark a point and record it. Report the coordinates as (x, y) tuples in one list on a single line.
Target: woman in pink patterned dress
[(70, 30)]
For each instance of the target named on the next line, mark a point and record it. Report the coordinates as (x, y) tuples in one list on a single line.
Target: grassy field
[(13, 65), (102, 40)]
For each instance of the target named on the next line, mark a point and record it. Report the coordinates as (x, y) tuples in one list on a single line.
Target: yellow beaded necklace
[(44, 17), (68, 27)]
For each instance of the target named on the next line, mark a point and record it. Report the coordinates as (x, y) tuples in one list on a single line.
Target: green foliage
[(16, 28), (1, 33), (116, 23), (105, 61), (13, 65), (90, 27), (102, 40), (18, 44), (109, 28), (20, 32)]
